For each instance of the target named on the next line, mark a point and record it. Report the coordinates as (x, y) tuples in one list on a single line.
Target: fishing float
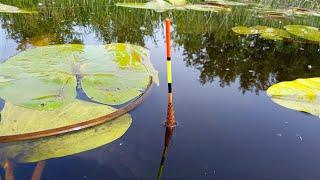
[(171, 121)]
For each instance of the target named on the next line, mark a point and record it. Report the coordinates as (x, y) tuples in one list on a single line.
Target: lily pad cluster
[(161, 6), (301, 95), (264, 32), (39, 86), (12, 9), (299, 31)]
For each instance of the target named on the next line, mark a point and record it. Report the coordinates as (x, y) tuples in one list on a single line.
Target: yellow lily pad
[(301, 95)]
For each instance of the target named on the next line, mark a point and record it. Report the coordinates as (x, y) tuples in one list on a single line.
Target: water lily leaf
[(207, 7), (156, 5), (245, 30), (11, 9), (115, 89), (264, 31), (271, 36), (225, 2), (131, 56), (305, 32), (272, 33), (161, 6), (177, 2), (126, 78), (41, 94), (21, 120), (53, 70), (301, 95), (66, 144)]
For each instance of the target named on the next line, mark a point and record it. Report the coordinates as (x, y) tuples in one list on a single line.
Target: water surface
[(228, 127)]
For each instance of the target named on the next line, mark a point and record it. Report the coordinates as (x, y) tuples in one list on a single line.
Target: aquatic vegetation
[(161, 6), (113, 74), (156, 5), (301, 95), (225, 3), (305, 32), (177, 2), (11, 9), (207, 7), (272, 33), (66, 144), (265, 32), (245, 30)]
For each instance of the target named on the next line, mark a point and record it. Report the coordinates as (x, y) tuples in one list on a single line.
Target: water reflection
[(256, 63), (167, 139), (8, 167)]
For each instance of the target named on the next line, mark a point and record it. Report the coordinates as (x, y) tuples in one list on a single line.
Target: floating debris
[(299, 137)]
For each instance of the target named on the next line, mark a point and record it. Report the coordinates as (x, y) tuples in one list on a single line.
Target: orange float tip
[(168, 37)]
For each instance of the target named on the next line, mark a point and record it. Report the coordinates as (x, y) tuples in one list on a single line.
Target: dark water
[(228, 127)]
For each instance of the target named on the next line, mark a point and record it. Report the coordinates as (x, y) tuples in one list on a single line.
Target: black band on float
[(169, 87)]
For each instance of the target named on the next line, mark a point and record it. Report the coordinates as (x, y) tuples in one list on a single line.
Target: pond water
[(228, 128)]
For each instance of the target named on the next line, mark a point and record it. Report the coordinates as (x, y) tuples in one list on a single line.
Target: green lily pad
[(207, 7), (21, 120), (177, 2), (66, 144), (264, 31), (156, 5), (301, 95), (225, 2), (161, 6), (11, 9), (272, 33), (245, 30), (306, 32), (53, 70), (49, 94)]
